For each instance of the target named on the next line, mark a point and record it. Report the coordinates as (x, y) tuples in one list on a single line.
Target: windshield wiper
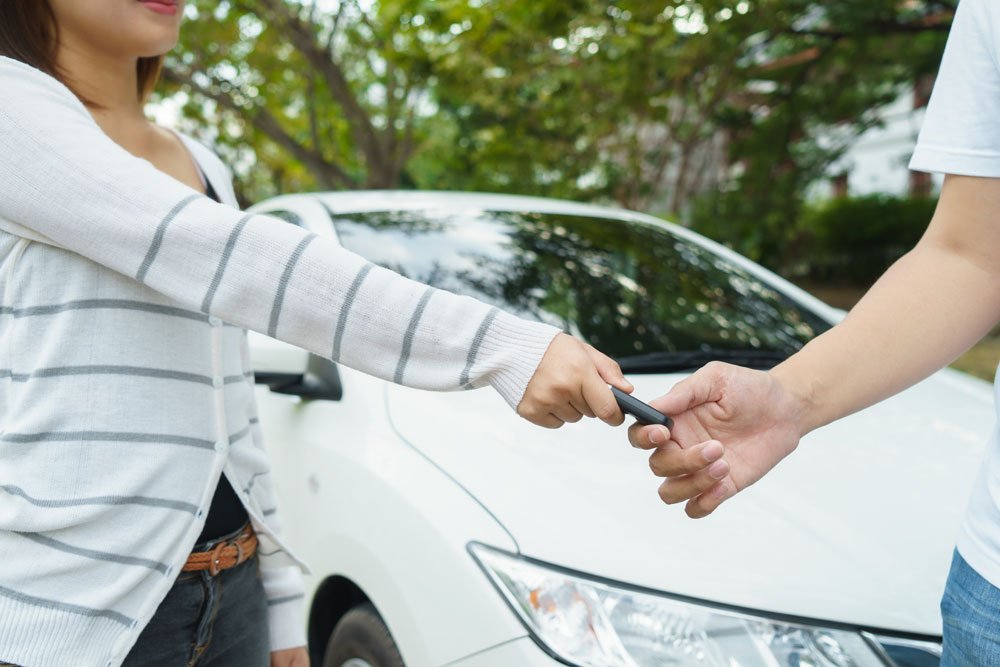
[(670, 362)]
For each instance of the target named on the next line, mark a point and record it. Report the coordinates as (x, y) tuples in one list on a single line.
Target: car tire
[(361, 639)]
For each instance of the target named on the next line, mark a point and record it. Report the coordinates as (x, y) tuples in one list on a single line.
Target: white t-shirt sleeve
[(961, 131)]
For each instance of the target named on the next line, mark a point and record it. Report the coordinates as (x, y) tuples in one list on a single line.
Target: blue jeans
[(208, 621), (971, 612)]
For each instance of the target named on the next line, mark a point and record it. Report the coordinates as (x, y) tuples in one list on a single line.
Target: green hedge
[(853, 240)]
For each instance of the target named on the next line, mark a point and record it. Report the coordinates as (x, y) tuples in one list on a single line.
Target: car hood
[(857, 526)]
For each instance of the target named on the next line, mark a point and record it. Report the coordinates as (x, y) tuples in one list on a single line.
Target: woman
[(128, 430)]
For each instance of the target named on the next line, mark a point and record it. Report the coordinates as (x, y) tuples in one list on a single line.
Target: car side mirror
[(286, 369)]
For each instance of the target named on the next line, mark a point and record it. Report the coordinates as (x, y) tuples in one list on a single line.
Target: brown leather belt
[(224, 555)]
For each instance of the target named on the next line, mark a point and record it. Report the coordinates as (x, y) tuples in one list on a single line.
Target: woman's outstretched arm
[(64, 180)]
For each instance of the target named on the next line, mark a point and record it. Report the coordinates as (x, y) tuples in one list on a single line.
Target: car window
[(627, 288)]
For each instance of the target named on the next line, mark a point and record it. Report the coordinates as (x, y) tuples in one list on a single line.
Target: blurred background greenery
[(734, 117)]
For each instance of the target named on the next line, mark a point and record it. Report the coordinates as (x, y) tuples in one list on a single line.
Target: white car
[(441, 529)]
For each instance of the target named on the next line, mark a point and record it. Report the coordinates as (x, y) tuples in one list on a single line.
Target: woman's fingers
[(608, 369), (567, 413), (572, 382), (581, 406), (598, 397), (555, 386), (548, 420)]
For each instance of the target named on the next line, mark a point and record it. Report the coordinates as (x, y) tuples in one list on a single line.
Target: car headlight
[(593, 624)]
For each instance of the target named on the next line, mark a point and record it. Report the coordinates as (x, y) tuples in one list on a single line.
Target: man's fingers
[(702, 387), (608, 369), (684, 487), (601, 401), (671, 460), (648, 437), (702, 505)]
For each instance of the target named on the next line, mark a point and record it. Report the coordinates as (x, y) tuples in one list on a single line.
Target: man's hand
[(290, 657), (572, 382), (731, 426)]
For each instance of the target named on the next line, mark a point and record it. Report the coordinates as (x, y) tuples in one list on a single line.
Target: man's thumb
[(702, 387)]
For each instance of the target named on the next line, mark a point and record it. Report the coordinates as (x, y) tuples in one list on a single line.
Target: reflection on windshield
[(626, 288)]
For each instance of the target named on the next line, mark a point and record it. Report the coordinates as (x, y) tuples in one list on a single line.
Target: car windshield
[(635, 291)]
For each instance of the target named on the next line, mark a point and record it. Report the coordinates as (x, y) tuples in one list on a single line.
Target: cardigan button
[(215, 321), (218, 381), (221, 446)]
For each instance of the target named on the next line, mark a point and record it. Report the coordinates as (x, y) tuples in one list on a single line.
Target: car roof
[(395, 200)]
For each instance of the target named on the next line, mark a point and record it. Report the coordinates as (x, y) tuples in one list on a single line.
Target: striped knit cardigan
[(125, 381)]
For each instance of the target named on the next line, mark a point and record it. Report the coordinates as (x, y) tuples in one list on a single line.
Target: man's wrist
[(801, 393)]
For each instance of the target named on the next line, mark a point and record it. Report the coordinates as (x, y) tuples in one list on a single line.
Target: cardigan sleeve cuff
[(286, 624), (511, 349), (285, 607)]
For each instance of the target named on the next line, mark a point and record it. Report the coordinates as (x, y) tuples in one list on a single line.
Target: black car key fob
[(643, 413)]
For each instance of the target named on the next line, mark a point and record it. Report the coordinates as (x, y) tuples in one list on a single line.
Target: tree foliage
[(816, 77), (853, 240), (721, 112)]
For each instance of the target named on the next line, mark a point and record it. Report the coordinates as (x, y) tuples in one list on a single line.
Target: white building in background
[(876, 161)]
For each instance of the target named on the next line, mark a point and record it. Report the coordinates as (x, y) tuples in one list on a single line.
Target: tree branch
[(304, 40), (330, 175), (313, 119)]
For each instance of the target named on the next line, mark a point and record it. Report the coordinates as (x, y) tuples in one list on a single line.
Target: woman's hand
[(290, 657), (571, 382)]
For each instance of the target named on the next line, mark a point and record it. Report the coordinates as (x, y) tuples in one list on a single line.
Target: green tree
[(721, 112), (299, 97), (587, 100), (815, 74)]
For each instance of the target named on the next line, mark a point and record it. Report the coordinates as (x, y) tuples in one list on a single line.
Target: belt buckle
[(213, 567)]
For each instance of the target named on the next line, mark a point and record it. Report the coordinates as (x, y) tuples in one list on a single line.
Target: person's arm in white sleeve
[(62, 178), (285, 607), (285, 593)]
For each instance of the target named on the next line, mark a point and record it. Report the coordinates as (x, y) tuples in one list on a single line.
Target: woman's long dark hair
[(28, 32)]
